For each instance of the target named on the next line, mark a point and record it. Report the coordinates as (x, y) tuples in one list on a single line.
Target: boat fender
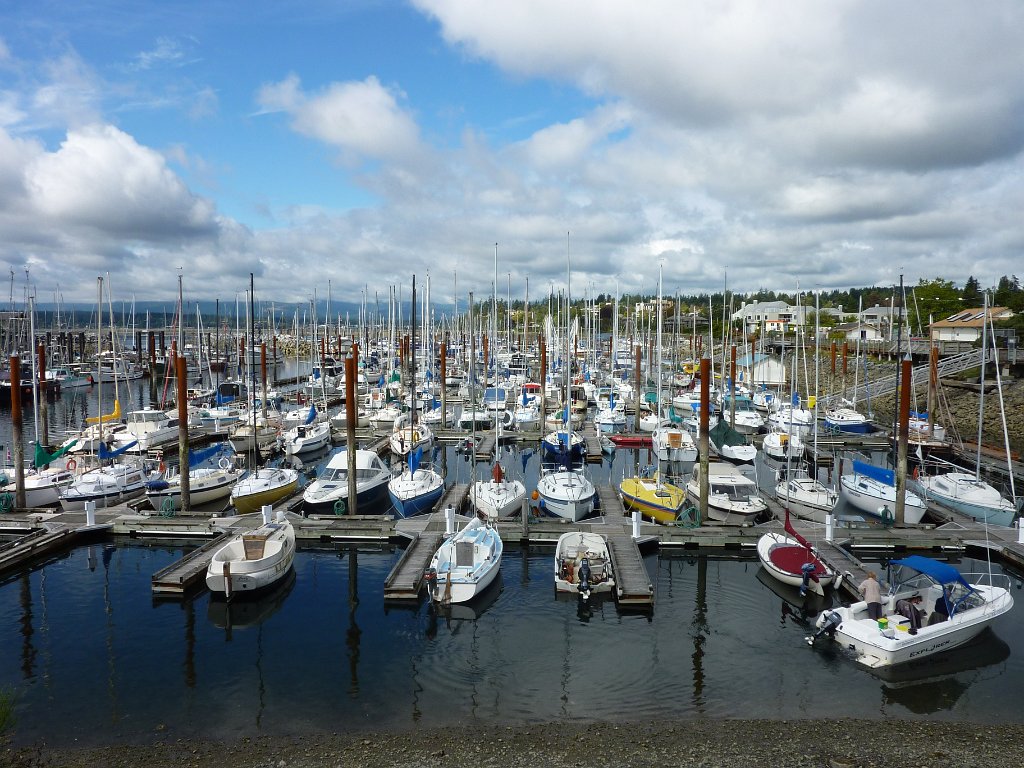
[(71, 466), (415, 437), (916, 473), (224, 463), (887, 516)]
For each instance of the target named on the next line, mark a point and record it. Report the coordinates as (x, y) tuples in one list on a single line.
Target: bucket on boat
[(883, 624)]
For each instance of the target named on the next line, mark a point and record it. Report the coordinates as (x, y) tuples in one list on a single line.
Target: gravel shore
[(705, 743)]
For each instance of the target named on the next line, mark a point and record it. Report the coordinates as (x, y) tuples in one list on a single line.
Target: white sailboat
[(465, 563)]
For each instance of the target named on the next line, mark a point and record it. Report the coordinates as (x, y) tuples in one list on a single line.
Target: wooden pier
[(190, 571), (406, 579), (633, 586), (35, 545)]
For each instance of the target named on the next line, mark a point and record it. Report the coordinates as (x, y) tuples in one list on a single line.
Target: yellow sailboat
[(658, 501)]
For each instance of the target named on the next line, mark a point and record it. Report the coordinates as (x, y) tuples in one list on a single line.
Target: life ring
[(71, 466), (224, 463)]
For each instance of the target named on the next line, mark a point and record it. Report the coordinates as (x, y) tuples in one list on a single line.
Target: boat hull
[(571, 549), (232, 570)]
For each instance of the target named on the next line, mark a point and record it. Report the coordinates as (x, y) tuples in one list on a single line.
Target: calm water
[(92, 657)]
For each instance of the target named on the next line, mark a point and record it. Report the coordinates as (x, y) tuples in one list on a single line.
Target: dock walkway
[(183, 574)]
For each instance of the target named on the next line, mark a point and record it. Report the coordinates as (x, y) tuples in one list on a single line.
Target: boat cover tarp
[(105, 453), (43, 457), (414, 460), (197, 457), (881, 474), (943, 573), (722, 434)]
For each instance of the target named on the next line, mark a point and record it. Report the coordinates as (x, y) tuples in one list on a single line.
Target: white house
[(771, 316), (966, 325), (754, 370), (860, 331)]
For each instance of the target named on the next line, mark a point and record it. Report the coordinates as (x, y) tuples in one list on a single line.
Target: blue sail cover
[(198, 457), (796, 400), (943, 573), (105, 453), (311, 416), (414, 460), (880, 474)]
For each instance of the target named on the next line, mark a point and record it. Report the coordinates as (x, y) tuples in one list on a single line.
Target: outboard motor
[(584, 578), (807, 570), (828, 623)]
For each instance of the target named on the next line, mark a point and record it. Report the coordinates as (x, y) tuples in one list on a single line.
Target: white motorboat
[(498, 497), (566, 493), (263, 487), (582, 564), (151, 427), (957, 607), (323, 495), (732, 496), (465, 563), (872, 490), (253, 561)]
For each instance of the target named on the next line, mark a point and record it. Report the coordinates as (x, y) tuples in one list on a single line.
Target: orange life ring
[(71, 466)]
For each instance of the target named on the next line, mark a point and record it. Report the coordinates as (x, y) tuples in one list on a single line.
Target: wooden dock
[(190, 571), (593, 443), (455, 495), (633, 588), (484, 448), (406, 579), (34, 545)]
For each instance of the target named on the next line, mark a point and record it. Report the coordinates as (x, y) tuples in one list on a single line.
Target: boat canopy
[(880, 474), (943, 573)]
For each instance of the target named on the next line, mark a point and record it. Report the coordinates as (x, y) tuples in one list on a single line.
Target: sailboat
[(791, 559), (656, 499), (563, 490), (966, 492), (108, 483), (267, 485), (206, 484), (417, 489), (465, 563), (500, 496)]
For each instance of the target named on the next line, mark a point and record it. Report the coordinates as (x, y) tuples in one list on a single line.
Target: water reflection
[(795, 608), (937, 683), (246, 611)]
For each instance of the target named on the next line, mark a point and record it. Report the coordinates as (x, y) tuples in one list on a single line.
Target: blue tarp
[(106, 453), (880, 474), (943, 573), (414, 460), (311, 416)]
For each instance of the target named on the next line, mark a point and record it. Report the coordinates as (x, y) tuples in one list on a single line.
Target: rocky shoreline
[(699, 743)]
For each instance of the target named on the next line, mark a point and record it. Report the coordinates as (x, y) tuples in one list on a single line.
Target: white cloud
[(104, 180), (362, 118)]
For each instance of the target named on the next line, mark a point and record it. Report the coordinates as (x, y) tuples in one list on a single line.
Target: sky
[(340, 148)]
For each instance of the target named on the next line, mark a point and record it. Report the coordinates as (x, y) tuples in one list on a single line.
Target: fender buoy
[(71, 466), (163, 467), (887, 517), (917, 472), (415, 437), (224, 463)]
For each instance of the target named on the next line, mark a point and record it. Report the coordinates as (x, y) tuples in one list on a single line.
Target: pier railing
[(946, 367)]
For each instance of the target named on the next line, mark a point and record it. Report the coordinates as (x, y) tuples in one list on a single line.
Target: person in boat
[(910, 608), (872, 592), (941, 610)]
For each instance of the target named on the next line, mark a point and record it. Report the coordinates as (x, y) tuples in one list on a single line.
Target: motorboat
[(253, 561), (417, 488), (323, 495), (732, 496), (656, 499), (958, 607), (567, 493), (791, 559), (583, 564), (263, 487), (499, 497), (872, 490), (151, 427), (465, 563)]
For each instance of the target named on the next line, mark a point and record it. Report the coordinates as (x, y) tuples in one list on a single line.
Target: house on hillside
[(860, 331), (771, 316), (965, 326)]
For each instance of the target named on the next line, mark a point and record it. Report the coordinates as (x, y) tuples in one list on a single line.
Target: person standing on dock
[(872, 592)]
